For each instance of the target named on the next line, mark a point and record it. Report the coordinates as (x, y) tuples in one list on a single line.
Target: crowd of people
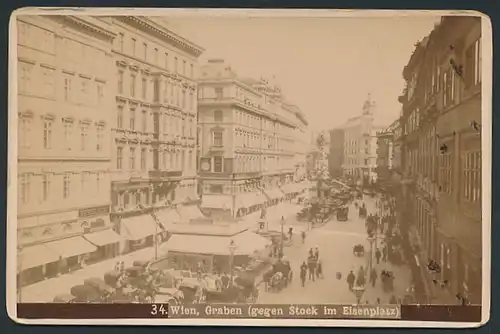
[(311, 266)]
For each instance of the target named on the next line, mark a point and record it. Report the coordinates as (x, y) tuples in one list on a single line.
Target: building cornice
[(81, 22), (164, 34)]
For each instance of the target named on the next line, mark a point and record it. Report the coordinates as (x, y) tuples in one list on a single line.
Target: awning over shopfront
[(190, 212), (103, 238), (168, 216), (273, 193), (291, 188), (139, 227), (247, 243), (224, 202), (34, 256), (71, 247), (249, 199)]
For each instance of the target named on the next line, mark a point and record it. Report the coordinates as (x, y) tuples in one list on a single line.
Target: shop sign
[(94, 211), (57, 218)]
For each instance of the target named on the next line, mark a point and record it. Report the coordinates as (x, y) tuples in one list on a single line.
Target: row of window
[(90, 136), (40, 80), (170, 93), (461, 73), (57, 186), (150, 53), (470, 172), (167, 159)]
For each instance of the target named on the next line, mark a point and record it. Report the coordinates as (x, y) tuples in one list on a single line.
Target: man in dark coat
[(378, 255), (303, 273), (373, 277), (384, 253), (351, 278), (311, 264)]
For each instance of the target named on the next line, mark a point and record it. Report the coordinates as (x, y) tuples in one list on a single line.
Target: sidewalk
[(45, 291)]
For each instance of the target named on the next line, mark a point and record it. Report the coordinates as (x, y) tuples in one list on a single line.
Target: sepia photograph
[(250, 164)]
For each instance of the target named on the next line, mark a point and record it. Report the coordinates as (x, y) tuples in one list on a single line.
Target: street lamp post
[(156, 240), (234, 197), (370, 259), (232, 249), (358, 292), (282, 223)]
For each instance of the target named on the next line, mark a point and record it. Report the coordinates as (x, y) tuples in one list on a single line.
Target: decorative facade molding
[(163, 33)]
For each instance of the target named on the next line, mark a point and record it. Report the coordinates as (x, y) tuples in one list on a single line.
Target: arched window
[(47, 231)]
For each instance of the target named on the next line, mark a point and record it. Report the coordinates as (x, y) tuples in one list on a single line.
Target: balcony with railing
[(165, 174)]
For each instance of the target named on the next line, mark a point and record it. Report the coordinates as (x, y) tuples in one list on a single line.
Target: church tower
[(369, 106)]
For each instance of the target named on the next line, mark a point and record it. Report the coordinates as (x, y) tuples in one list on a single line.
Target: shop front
[(214, 253), (274, 196), (248, 203), (107, 243), (73, 252), (96, 226), (138, 232), (36, 263)]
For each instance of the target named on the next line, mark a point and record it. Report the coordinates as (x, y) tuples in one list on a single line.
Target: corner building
[(65, 85), (154, 129), (360, 146), (248, 136)]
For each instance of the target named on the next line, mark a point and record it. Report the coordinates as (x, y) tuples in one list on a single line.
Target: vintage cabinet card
[(249, 167)]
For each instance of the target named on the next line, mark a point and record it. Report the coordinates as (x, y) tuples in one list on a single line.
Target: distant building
[(385, 153), (336, 153), (252, 142), (360, 145)]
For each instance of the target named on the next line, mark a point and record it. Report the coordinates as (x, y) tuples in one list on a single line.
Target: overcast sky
[(326, 66)]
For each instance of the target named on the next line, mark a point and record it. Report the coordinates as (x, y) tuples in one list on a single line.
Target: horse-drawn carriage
[(358, 250), (192, 290), (242, 289), (279, 276), (342, 214)]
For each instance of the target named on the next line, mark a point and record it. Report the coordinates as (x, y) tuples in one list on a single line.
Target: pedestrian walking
[(378, 255), (384, 254), (303, 273), (117, 266), (122, 267), (303, 237), (373, 277), (351, 278), (316, 253), (319, 269), (311, 264), (360, 278)]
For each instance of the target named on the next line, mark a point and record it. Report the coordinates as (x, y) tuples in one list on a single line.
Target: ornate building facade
[(441, 152), (360, 145), (65, 85), (248, 137), (154, 125)]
